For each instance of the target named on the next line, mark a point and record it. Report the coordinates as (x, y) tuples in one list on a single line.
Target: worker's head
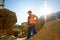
[(29, 12)]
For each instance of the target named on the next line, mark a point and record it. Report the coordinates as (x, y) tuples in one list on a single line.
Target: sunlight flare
[(45, 10)]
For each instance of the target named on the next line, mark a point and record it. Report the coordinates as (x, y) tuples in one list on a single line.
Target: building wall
[(1, 4), (1, 1), (1, 7)]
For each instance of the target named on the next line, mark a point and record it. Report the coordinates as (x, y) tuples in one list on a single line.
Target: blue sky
[(20, 7)]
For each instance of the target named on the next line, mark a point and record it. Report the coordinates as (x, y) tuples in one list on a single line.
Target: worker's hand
[(37, 19), (31, 25)]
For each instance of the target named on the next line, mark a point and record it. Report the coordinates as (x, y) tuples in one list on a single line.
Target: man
[(31, 23)]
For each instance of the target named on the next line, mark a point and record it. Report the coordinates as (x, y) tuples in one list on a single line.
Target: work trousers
[(32, 29)]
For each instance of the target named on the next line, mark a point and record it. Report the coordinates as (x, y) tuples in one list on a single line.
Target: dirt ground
[(50, 31)]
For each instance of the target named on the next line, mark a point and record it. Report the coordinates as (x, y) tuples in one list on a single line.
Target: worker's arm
[(36, 17)]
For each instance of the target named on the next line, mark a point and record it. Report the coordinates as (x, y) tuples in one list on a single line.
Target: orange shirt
[(31, 19)]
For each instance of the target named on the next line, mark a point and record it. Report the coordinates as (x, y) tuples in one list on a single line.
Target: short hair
[(30, 11)]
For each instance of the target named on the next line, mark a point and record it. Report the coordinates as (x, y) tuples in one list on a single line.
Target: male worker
[(31, 23)]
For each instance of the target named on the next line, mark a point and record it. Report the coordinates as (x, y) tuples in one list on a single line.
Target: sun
[(45, 10)]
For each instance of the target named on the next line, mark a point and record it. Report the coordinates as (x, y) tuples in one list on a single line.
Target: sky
[(38, 7)]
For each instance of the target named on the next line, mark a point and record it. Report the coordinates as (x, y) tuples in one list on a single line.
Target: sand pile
[(50, 31), (39, 24)]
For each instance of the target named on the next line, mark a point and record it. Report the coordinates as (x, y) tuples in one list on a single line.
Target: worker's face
[(29, 13)]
